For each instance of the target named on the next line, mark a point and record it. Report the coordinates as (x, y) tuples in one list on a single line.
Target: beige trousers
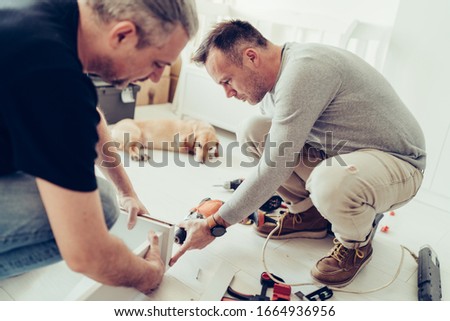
[(348, 190)]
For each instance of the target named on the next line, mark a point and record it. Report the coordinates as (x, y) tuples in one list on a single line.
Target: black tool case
[(116, 104)]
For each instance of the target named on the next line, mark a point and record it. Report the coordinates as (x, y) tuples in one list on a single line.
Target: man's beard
[(258, 87), (104, 68)]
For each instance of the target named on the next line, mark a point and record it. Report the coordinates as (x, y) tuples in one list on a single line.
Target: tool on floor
[(281, 292), (260, 217), (204, 209), (428, 276), (272, 204), (231, 185), (322, 294), (266, 283)]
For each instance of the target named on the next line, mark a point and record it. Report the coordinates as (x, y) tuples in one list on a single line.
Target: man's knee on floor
[(110, 205)]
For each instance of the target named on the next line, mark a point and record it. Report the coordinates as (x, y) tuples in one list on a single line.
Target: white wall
[(418, 66), (375, 11)]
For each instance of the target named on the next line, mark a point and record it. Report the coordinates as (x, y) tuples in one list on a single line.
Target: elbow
[(94, 262), (83, 260), (80, 263)]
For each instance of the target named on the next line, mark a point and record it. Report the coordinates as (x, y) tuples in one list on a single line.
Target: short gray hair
[(154, 19)]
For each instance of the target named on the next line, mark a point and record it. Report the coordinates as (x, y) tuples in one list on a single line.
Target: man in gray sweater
[(335, 141)]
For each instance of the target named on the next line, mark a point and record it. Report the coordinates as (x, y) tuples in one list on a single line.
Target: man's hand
[(198, 236), (156, 264), (134, 207)]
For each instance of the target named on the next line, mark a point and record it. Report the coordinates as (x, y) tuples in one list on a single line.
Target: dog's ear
[(217, 151), (199, 152), (212, 148)]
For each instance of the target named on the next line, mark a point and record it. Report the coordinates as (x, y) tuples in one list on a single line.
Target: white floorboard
[(170, 191)]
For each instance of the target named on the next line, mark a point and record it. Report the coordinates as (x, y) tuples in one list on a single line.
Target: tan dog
[(184, 136)]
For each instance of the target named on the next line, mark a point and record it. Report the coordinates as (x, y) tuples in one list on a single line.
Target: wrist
[(127, 193), (211, 221), (215, 228), (151, 278), (219, 220)]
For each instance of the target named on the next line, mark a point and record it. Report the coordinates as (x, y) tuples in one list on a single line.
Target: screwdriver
[(231, 185)]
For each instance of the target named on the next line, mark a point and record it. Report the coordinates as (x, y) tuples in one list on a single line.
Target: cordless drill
[(204, 209)]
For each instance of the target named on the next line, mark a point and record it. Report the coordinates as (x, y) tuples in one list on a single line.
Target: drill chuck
[(180, 236)]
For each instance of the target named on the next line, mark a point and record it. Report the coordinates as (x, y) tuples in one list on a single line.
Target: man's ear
[(251, 56), (123, 32)]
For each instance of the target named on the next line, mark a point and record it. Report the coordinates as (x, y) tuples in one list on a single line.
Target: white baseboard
[(433, 199)]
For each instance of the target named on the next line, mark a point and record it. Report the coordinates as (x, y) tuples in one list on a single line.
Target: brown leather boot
[(309, 224), (342, 265)]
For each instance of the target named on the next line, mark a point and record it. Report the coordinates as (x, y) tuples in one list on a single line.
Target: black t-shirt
[(48, 115)]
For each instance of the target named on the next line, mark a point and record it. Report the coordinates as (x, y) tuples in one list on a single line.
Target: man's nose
[(156, 75), (122, 85), (229, 92)]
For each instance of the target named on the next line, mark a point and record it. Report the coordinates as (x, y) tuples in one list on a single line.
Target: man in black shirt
[(52, 204)]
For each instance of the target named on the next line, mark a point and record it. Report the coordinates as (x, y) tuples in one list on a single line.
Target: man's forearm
[(117, 266), (85, 243), (116, 174)]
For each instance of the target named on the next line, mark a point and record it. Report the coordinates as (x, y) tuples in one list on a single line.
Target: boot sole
[(341, 285), (303, 234)]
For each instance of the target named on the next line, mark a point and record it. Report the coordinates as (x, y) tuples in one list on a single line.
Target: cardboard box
[(114, 103), (154, 93), (174, 77)]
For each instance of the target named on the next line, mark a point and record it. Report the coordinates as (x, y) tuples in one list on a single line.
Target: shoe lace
[(340, 252), (297, 219)]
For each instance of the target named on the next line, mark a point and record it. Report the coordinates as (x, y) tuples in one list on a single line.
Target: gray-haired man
[(52, 205)]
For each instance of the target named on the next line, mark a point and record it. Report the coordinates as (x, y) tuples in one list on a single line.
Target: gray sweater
[(333, 100)]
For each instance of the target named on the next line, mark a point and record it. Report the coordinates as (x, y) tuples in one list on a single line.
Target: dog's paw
[(141, 157)]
